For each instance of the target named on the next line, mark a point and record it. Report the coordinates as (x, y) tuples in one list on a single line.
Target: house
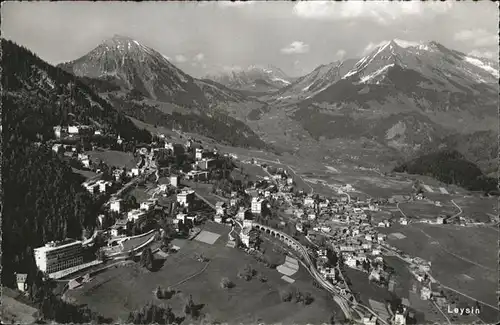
[(326, 229), (218, 218), (248, 236), (309, 201), (369, 237), (256, 205), (403, 221), (120, 226), (181, 217), (247, 223), (220, 208), (21, 281), (174, 180), (57, 131), (73, 129), (135, 214), (289, 181), (299, 227), (116, 205), (135, 171), (425, 293), (56, 147), (399, 319), (370, 320), (185, 198), (440, 220), (374, 275), (381, 224), (381, 237), (205, 164), (311, 216), (103, 186), (148, 205), (376, 252), (198, 154), (233, 202), (242, 214)]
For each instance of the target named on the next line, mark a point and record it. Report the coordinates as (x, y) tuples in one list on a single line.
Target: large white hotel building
[(54, 257)]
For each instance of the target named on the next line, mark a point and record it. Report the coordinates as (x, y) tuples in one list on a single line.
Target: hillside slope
[(37, 96), (450, 167)]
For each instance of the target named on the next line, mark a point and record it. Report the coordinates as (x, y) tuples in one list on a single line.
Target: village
[(189, 185)]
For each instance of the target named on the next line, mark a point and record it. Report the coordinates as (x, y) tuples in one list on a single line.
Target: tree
[(159, 293), (147, 259), (332, 319), (188, 307), (225, 283)]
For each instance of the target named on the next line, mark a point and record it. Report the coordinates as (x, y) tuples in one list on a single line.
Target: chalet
[(309, 201), (403, 221), (206, 164), (186, 197), (57, 131), (135, 214), (198, 154), (116, 205), (242, 214), (220, 208), (148, 205), (256, 206), (73, 129), (174, 180), (21, 281), (119, 227)]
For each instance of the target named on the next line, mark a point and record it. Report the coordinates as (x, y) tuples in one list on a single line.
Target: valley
[(249, 165)]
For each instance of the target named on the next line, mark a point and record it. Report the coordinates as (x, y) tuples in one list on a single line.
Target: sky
[(203, 37)]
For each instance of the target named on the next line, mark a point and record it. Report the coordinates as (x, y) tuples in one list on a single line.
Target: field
[(254, 172), (13, 311), (463, 258), (423, 209), (85, 173), (479, 208), (114, 158), (117, 291)]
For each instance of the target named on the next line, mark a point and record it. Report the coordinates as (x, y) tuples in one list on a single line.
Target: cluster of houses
[(97, 186), (73, 130)]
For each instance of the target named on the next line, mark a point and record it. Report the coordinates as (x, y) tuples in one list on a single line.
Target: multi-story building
[(206, 163), (248, 236), (136, 214), (242, 214), (256, 205), (174, 180), (185, 197), (54, 257), (116, 205), (198, 154)]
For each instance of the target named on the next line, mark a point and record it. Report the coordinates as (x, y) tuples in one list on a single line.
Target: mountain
[(255, 78), (315, 81), (125, 71), (405, 95), (450, 167), (134, 66), (39, 96)]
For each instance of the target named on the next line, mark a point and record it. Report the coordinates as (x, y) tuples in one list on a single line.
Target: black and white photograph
[(250, 162)]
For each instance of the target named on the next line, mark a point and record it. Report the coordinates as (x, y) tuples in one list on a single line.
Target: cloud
[(477, 37), (296, 47), (199, 57), (381, 12), (340, 54), (371, 46), (179, 58), (484, 54)]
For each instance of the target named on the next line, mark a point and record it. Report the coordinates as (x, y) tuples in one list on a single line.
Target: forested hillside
[(42, 198), (220, 127), (43, 201), (449, 166), (36, 96)]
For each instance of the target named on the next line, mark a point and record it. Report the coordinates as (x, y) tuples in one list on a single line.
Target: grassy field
[(463, 258), (117, 291), (423, 209), (114, 158), (478, 208), (85, 173), (140, 194), (13, 311)]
